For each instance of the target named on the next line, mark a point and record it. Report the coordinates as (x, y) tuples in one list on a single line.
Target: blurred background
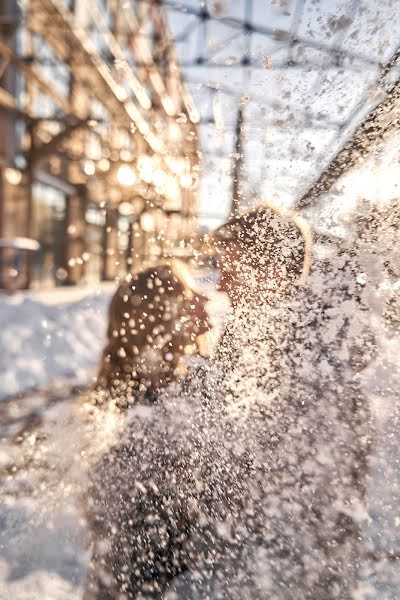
[(128, 128)]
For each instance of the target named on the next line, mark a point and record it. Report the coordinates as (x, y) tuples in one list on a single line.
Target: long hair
[(150, 327)]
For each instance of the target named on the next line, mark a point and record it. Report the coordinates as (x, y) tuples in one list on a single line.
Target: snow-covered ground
[(44, 544), (57, 335), (51, 336), (49, 341), (46, 436)]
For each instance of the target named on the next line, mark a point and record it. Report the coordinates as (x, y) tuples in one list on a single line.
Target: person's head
[(155, 317), (262, 253)]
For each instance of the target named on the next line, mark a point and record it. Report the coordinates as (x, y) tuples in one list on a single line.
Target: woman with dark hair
[(155, 319)]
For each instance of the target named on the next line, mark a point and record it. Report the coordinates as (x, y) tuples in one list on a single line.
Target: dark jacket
[(249, 483)]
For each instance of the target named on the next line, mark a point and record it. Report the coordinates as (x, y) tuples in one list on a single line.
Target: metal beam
[(372, 131), (97, 70), (38, 153), (30, 72), (282, 65), (250, 27), (237, 163)]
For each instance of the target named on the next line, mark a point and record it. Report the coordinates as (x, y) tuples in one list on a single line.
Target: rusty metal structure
[(98, 147), (368, 136), (281, 87)]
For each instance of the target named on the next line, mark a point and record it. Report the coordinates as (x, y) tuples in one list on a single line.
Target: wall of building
[(82, 107)]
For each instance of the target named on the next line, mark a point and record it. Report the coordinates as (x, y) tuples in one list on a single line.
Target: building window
[(48, 228), (55, 72), (95, 222)]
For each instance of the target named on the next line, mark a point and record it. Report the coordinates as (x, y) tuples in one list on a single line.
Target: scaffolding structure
[(99, 147), (238, 47)]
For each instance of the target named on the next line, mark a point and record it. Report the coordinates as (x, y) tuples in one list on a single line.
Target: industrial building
[(99, 158)]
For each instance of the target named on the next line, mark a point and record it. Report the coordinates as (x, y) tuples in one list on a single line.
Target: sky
[(297, 117)]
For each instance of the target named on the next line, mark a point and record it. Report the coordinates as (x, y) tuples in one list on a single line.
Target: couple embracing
[(246, 478)]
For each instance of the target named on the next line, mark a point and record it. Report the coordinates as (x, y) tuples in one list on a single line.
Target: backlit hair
[(148, 327), (269, 230)]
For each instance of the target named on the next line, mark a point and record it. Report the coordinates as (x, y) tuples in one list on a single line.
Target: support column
[(15, 265), (74, 238), (136, 249), (237, 164), (110, 245)]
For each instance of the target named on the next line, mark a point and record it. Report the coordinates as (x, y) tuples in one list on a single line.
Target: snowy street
[(49, 436), (52, 335), (44, 545), (51, 341)]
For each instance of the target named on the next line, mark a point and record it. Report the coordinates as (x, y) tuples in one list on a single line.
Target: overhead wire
[(206, 15)]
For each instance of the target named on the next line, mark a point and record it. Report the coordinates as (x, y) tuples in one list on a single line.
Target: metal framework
[(83, 92), (370, 134), (337, 56)]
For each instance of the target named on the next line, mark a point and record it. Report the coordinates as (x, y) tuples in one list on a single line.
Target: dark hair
[(148, 315), (266, 232)]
